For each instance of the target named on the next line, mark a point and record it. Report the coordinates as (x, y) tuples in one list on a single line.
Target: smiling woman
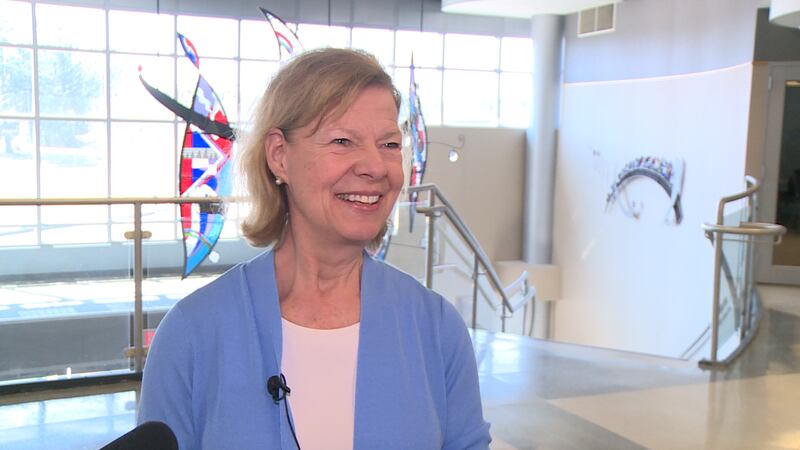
[(342, 175), (374, 360), (306, 94)]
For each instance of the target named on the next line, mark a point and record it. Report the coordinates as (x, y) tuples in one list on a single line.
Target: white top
[(320, 370)]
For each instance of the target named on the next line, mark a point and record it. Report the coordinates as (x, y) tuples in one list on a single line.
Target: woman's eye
[(341, 141), (392, 145)]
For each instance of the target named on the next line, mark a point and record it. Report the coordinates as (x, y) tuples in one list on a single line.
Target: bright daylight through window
[(76, 122)]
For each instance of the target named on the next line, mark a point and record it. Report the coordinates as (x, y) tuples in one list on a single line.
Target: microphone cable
[(276, 384), (289, 419)]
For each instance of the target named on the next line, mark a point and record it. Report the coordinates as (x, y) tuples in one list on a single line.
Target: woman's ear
[(275, 149)]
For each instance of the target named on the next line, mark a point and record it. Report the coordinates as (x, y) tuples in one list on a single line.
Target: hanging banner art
[(288, 43), (413, 128), (416, 130), (204, 169)]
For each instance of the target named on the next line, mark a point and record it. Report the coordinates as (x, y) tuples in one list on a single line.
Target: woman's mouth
[(359, 198)]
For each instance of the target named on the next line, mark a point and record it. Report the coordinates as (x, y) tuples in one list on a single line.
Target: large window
[(76, 122)]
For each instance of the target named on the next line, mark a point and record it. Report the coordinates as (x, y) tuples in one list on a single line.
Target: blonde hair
[(314, 86)]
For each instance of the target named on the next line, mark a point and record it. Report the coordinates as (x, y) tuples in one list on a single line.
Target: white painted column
[(547, 34)]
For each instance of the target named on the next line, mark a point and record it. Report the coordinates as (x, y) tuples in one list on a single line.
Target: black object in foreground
[(147, 436)]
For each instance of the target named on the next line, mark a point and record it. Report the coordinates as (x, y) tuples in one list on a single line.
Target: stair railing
[(436, 206), (749, 230)]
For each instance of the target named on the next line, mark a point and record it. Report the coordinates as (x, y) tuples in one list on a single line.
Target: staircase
[(441, 251)]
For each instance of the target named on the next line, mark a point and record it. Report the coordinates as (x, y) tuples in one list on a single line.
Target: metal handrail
[(138, 235), (748, 228), (520, 284), (715, 232), (484, 260), (481, 259), (113, 201), (468, 275), (752, 187)]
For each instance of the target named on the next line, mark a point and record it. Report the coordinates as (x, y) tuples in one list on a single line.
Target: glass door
[(780, 192)]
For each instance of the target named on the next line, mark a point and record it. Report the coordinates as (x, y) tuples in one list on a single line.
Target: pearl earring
[(278, 181)]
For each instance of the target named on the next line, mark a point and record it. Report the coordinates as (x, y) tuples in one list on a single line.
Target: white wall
[(644, 285), (485, 185)]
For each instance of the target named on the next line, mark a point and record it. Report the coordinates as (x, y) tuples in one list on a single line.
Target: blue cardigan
[(416, 380)]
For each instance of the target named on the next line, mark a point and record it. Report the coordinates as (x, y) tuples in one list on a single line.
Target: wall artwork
[(668, 174)]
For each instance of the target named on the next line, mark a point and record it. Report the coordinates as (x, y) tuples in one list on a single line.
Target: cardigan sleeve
[(465, 427), (167, 381)]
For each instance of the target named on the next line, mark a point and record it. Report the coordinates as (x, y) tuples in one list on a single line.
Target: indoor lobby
[(608, 193)]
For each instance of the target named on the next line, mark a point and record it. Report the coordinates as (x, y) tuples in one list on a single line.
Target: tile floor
[(86, 421), (542, 395)]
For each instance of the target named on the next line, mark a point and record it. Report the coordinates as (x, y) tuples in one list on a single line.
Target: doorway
[(780, 192)]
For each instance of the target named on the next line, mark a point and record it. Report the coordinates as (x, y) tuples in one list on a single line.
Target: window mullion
[(441, 76), (175, 134), (108, 124), (36, 124), (497, 71)]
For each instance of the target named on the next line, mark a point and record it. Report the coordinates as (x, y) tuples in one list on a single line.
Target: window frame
[(241, 116)]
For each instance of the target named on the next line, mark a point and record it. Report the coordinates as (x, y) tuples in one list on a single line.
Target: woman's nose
[(370, 163)]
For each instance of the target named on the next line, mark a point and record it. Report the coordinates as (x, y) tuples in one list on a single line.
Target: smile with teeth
[(366, 199)]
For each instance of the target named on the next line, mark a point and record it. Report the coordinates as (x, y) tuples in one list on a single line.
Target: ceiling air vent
[(596, 20)]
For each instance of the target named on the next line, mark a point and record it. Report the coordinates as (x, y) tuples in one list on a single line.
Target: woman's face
[(342, 180)]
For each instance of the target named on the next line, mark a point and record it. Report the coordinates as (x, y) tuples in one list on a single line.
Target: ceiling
[(784, 12), (519, 8)]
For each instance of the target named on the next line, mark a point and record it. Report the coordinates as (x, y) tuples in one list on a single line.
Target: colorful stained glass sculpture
[(288, 43), (204, 169), (415, 128)]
